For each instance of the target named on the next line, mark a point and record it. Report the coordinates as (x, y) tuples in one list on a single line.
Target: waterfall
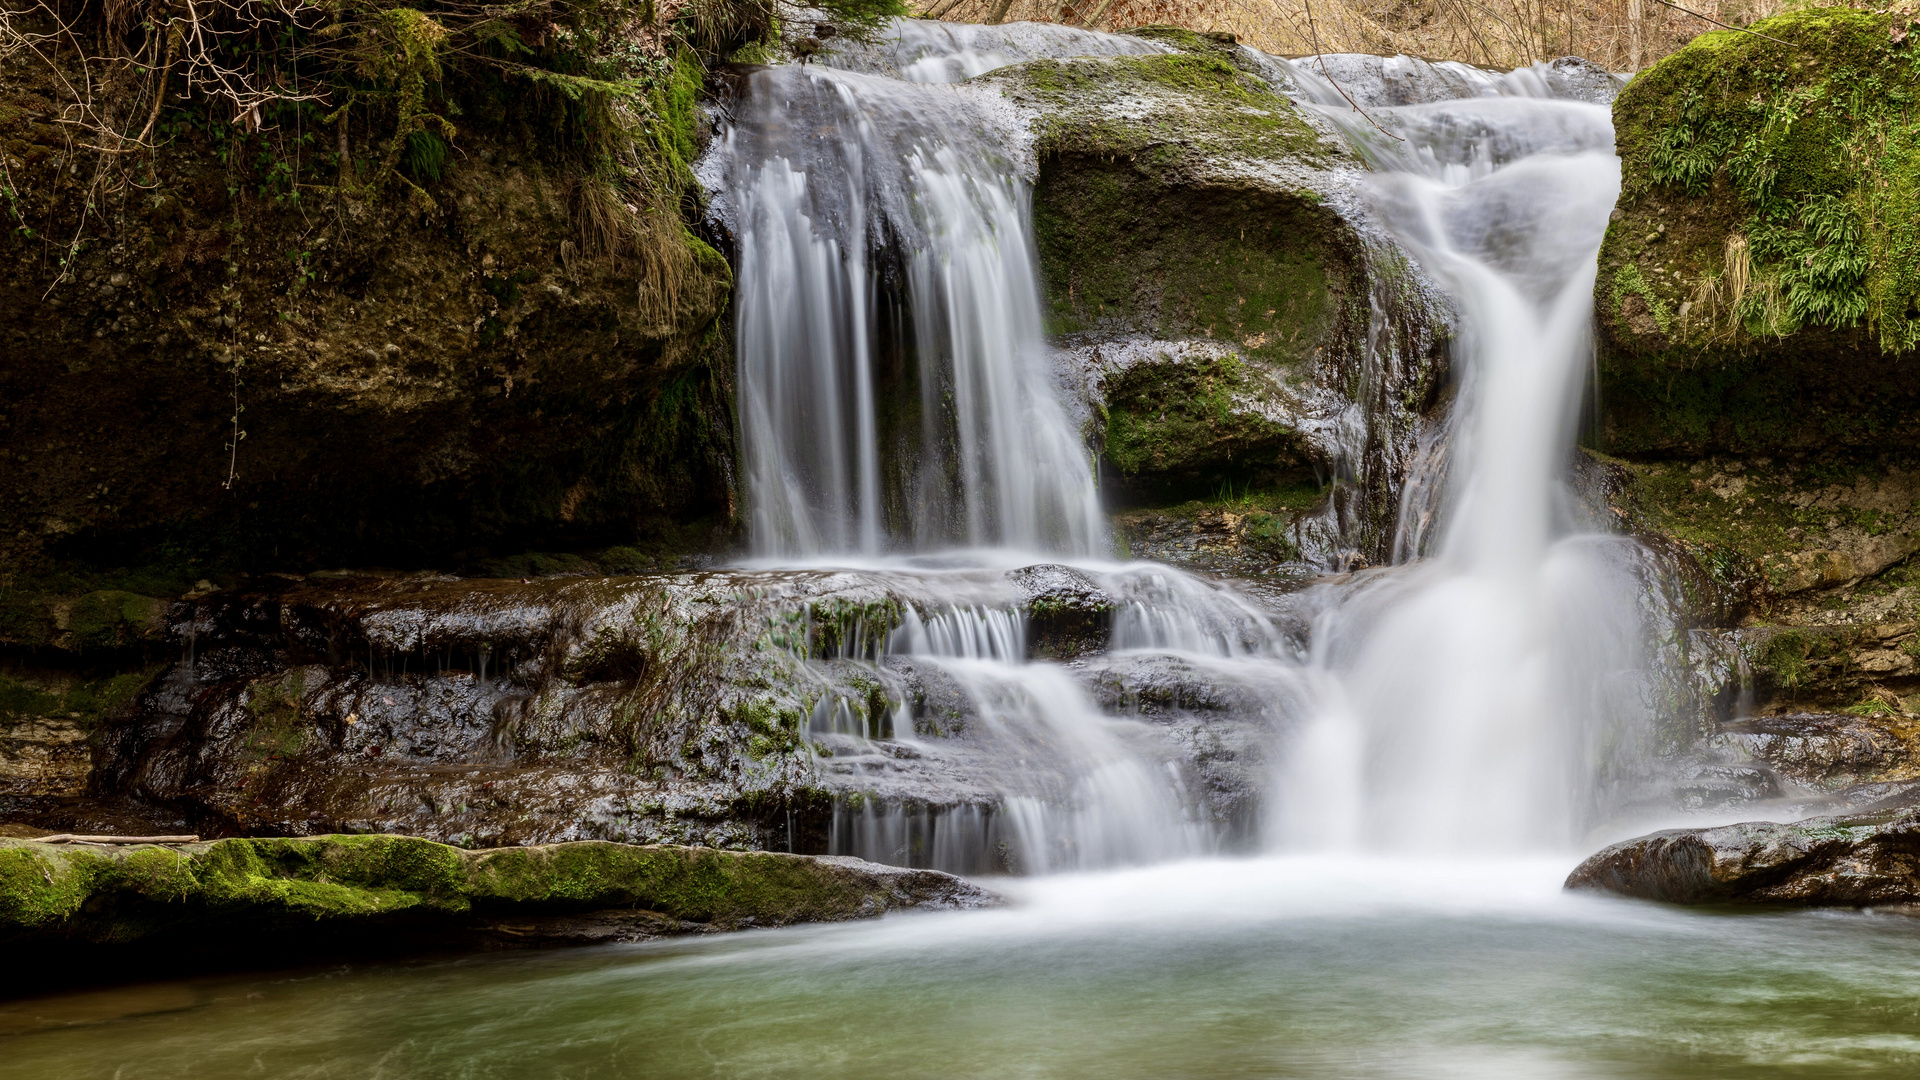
[(1074, 788), (896, 397), (895, 391), (1471, 700)]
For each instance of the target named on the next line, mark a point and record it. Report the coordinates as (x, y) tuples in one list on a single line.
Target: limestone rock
[(1854, 859)]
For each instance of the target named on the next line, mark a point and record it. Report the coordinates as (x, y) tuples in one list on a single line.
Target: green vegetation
[(1813, 147), (1768, 225), (1162, 416), (126, 893)]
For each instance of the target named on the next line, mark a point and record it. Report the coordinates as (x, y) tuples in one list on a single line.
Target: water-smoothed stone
[(1857, 859), (732, 709), (1215, 285), (277, 900), (1067, 612)]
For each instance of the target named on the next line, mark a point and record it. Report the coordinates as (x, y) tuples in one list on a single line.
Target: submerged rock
[(1859, 859), (280, 900)]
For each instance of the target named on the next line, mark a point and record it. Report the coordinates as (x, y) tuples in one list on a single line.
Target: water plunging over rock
[(1482, 697), (892, 375)]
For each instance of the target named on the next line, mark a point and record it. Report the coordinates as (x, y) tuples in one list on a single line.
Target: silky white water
[(896, 397), (1464, 702), (885, 258), (1470, 699)]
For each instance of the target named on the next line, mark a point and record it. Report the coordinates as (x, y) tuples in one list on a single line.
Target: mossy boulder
[(284, 899), (1207, 274), (1759, 287)]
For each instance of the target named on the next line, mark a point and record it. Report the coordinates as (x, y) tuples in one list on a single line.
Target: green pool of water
[(1263, 968)]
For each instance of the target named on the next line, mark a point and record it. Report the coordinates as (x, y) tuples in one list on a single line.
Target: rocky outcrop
[(108, 909), (240, 366), (1756, 286), (1216, 291), (734, 709), (1862, 859)]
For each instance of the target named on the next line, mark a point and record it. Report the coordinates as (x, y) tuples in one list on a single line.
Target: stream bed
[(1299, 966)]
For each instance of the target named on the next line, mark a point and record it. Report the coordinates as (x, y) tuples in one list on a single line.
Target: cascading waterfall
[(1468, 701), (1073, 789), (896, 397), (894, 387)]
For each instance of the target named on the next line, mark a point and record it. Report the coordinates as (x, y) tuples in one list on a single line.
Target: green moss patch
[(1759, 285), (122, 894), (1164, 417)]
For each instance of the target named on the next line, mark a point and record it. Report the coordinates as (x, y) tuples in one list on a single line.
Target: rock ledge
[(1857, 859)]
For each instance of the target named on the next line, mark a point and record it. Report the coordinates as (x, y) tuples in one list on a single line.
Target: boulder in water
[(1862, 859)]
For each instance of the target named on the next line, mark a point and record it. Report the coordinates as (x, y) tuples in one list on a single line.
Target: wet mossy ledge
[(1759, 287), (268, 901)]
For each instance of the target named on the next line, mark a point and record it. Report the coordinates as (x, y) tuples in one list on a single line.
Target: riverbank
[(81, 913)]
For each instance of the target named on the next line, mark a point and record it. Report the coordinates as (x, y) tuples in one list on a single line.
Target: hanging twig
[(1717, 22), (1322, 57)]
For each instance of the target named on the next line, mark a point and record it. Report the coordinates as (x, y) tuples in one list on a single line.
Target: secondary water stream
[(1446, 734)]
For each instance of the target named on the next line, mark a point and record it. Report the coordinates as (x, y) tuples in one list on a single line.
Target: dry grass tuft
[(1621, 35)]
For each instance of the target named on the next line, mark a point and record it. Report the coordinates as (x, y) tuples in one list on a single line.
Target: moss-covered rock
[(1206, 272), (1759, 282), (245, 366), (284, 899), (1796, 525), (1247, 535)]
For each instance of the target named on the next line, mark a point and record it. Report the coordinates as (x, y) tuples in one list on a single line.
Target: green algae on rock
[(254, 901), (1758, 284)]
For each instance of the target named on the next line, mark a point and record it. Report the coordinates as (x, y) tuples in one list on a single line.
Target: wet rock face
[(257, 902), (732, 709), (1829, 751), (1068, 613), (1855, 859)]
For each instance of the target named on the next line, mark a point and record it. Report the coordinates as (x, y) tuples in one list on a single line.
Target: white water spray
[(1464, 702)]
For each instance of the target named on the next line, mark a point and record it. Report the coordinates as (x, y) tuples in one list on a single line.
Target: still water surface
[(1284, 967)]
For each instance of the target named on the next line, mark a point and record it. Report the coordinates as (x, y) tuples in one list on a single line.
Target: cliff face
[(231, 358)]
